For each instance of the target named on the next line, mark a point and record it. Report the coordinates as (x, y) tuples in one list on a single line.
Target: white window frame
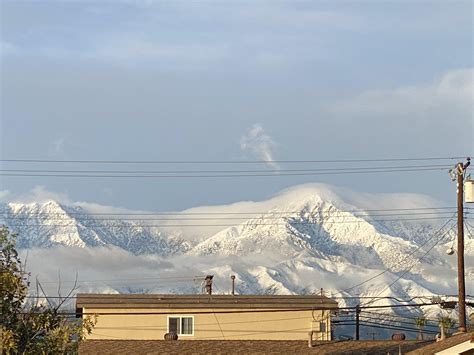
[(180, 316)]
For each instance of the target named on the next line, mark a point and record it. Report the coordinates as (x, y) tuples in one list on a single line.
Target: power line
[(131, 296), (219, 171), (301, 309), (56, 161), (130, 225), (275, 173), (156, 327), (391, 327), (468, 227), (300, 330), (378, 325), (411, 267), (169, 278), (380, 320), (406, 258), (399, 316), (67, 217), (145, 327), (214, 171), (228, 213)]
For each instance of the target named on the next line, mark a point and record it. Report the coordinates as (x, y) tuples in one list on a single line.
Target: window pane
[(187, 325), (173, 325), (322, 327)]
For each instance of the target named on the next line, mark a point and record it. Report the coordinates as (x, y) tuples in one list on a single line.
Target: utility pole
[(357, 309), (457, 174), (460, 169)]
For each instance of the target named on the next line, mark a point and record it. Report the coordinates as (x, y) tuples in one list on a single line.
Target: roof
[(203, 301), (244, 347), (443, 344)]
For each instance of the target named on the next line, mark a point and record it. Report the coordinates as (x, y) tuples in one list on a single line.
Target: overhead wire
[(74, 213), (273, 310), (468, 228), (412, 265), (109, 161), (379, 326), (67, 217), (222, 225), (133, 296), (404, 259), (398, 316), (69, 171), (234, 311), (382, 321), (161, 278), (275, 173), (344, 322)]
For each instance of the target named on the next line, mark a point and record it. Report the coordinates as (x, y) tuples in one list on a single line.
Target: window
[(181, 325), (319, 326)]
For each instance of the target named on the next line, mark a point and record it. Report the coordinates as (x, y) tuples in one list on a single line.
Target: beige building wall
[(275, 325)]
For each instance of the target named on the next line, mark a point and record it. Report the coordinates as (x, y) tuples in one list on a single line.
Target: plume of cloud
[(260, 144), (56, 147)]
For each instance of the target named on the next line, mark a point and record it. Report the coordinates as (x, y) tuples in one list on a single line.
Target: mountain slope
[(43, 225), (305, 238)]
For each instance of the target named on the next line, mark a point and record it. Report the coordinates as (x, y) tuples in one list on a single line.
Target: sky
[(232, 80)]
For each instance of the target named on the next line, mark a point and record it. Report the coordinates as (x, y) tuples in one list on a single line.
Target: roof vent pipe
[(233, 284)]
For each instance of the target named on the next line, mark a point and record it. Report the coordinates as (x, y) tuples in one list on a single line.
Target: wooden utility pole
[(460, 168), (357, 321)]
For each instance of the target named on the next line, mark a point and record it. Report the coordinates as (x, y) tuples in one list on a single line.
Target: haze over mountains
[(304, 239)]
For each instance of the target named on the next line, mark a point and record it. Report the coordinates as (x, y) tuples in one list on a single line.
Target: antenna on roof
[(208, 284)]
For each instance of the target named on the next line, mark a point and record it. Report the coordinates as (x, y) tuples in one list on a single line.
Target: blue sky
[(230, 80)]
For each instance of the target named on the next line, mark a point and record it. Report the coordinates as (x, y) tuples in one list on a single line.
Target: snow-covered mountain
[(48, 224), (304, 239)]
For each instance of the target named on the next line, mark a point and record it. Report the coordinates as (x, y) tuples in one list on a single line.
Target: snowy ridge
[(304, 239), (41, 225)]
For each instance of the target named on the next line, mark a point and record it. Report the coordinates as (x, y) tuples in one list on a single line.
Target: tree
[(420, 324), (445, 323), (33, 327), (13, 288)]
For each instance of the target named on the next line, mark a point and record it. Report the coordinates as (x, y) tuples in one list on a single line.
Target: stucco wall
[(275, 325)]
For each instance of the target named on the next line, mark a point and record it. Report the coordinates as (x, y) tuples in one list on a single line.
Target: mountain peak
[(312, 232)]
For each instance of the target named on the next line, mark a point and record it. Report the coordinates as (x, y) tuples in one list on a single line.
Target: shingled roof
[(443, 344), (168, 301), (245, 347)]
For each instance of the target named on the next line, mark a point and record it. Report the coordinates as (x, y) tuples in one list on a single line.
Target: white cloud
[(41, 194), (451, 94), (428, 118), (93, 264), (112, 270), (260, 144)]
